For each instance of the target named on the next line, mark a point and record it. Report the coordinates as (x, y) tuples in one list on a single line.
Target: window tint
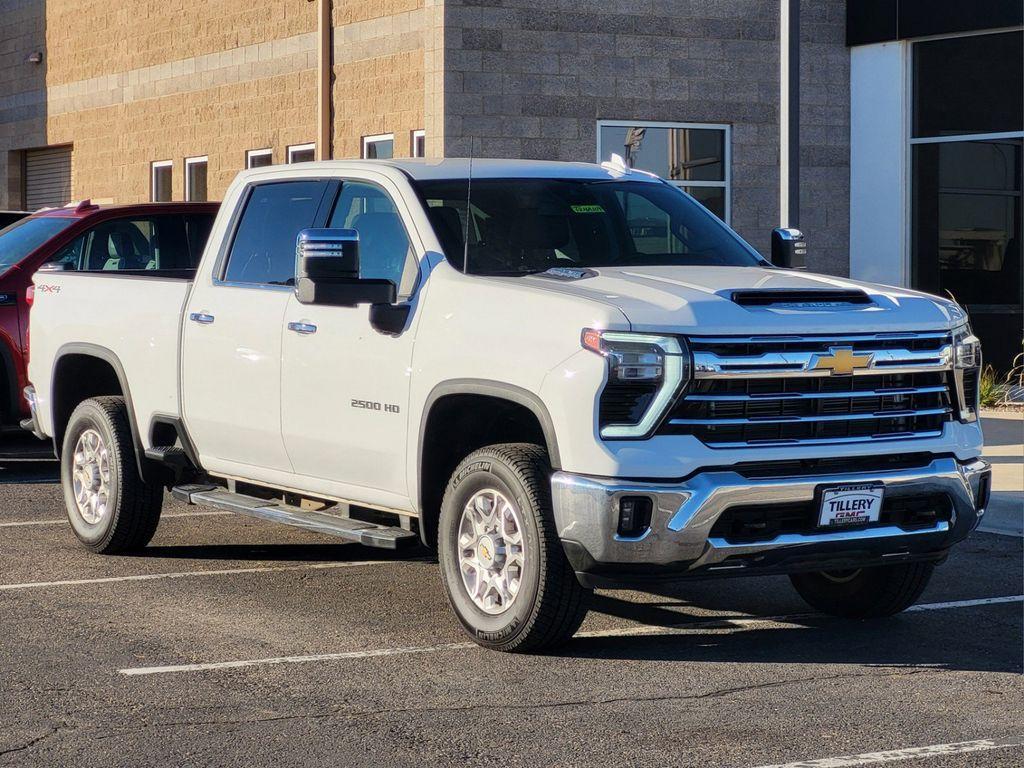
[(383, 243), (144, 243), (969, 84), (263, 250), (197, 231), (519, 226), (22, 237)]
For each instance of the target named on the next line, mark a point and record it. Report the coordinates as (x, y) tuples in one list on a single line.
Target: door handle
[(203, 318), (303, 328)]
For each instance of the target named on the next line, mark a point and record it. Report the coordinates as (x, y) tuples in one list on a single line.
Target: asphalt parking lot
[(236, 642)]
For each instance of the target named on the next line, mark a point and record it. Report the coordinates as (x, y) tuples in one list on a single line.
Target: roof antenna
[(469, 212)]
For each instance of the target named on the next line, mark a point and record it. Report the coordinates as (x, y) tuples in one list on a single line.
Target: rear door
[(231, 342)]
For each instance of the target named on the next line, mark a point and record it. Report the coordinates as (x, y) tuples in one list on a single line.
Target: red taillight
[(30, 295)]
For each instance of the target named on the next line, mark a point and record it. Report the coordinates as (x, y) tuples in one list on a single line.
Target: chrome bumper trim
[(33, 423), (586, 512)]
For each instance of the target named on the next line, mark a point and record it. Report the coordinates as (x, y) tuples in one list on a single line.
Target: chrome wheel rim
[(492, 551), (90, 477)]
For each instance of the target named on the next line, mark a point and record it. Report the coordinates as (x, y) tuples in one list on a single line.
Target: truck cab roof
[(419, 169)]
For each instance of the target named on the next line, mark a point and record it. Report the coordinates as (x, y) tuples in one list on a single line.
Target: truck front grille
[(781, 390)]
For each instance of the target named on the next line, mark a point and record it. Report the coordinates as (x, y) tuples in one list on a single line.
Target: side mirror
[(327, 271), (789, 248)]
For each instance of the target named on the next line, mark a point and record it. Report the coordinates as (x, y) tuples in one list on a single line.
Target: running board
[(368, 534)]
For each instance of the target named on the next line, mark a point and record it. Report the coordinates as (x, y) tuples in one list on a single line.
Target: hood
[(742, 301)]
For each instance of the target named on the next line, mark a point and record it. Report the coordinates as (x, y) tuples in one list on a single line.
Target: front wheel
[(864, 593), (111, 508), (502, 563)]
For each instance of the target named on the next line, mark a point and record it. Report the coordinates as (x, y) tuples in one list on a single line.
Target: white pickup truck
[(562, 376)]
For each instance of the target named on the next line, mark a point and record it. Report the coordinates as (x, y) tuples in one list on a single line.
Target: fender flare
[(111, 358), (497, 389)]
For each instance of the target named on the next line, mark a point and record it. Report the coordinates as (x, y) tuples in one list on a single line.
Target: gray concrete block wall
[(531, 78)]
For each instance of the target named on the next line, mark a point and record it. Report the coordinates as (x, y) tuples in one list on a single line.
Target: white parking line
[(193, 574), (723, 622), (169, 515), (912, 753)]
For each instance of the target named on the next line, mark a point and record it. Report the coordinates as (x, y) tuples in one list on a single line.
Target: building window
[(967, 181), (302, 153), (418, 145), (195, 178), (379, 147), (259, 158), (693, 156), (160, 181)]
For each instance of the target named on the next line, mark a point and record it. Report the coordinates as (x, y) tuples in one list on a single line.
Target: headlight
[(645, 372), (966, 372)]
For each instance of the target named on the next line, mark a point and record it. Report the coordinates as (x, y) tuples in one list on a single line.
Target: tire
[(867, 593), (118, 511), (549, 604)]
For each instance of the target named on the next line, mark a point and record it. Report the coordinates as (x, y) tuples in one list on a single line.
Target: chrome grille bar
[(894, 392), (708, 365), (811, 419)]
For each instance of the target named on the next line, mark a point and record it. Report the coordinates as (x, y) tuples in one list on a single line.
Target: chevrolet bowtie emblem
[(841, 361)]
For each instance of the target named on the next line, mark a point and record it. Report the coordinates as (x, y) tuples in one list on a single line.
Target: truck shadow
[(959, 639), (907, 642)]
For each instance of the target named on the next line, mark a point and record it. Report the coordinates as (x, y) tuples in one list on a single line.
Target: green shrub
[(991, 392)]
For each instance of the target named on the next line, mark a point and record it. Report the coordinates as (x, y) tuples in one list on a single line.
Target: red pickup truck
[(85, 237)]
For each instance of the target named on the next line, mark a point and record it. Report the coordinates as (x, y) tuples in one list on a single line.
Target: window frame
[(262, 152), (725, 128), (153, 166), (413, 136), (189, 162), (293, 149), (374, 139)]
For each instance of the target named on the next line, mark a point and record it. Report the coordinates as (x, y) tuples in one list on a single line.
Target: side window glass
[(197, 230), (71, 254), (263, 250), (119, 245), (384, 251)]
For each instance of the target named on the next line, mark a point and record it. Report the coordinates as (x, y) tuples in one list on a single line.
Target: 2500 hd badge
[(372, 405)]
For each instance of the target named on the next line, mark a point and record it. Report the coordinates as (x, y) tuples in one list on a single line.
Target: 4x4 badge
[(841, 361)]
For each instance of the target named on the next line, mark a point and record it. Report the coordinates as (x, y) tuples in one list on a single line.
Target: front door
[(345, 386), (233, 327)]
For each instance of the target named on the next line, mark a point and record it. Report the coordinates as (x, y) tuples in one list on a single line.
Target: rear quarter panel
[(136, 319)]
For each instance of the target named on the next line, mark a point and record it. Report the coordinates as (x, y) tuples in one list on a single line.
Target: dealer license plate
[(843, 505)]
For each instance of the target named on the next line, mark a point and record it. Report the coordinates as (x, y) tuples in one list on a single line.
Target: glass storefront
[(967, 181)]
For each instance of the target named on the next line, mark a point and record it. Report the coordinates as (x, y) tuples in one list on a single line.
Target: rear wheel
[(110, 508), (866, 592), (502, 563)]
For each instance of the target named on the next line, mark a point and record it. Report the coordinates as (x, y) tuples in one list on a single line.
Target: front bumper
[(679, 542)]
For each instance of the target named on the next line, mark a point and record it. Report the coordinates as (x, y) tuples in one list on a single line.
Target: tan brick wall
[(115, 146), (137, 81), (89, 38)]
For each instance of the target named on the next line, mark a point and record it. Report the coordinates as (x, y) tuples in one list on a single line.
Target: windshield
[(522, 226), (22, 237)]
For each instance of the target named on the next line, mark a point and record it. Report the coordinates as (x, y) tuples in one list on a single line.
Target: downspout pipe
[(789, 113), (324, 58)]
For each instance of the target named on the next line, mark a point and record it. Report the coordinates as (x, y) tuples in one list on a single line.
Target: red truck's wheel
[(502, 563), (111, 508)]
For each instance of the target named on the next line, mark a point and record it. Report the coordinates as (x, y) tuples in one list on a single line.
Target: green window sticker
[(587, 209)]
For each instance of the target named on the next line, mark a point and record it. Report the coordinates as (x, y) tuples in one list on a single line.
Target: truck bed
[(131, 319)]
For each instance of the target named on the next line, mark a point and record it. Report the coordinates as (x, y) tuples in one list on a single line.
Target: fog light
[(634, 516)]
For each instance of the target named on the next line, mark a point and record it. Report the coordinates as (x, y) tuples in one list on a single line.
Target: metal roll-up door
[(47, 177)]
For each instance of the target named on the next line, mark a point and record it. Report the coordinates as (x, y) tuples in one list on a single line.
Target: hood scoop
[(800, 298)]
